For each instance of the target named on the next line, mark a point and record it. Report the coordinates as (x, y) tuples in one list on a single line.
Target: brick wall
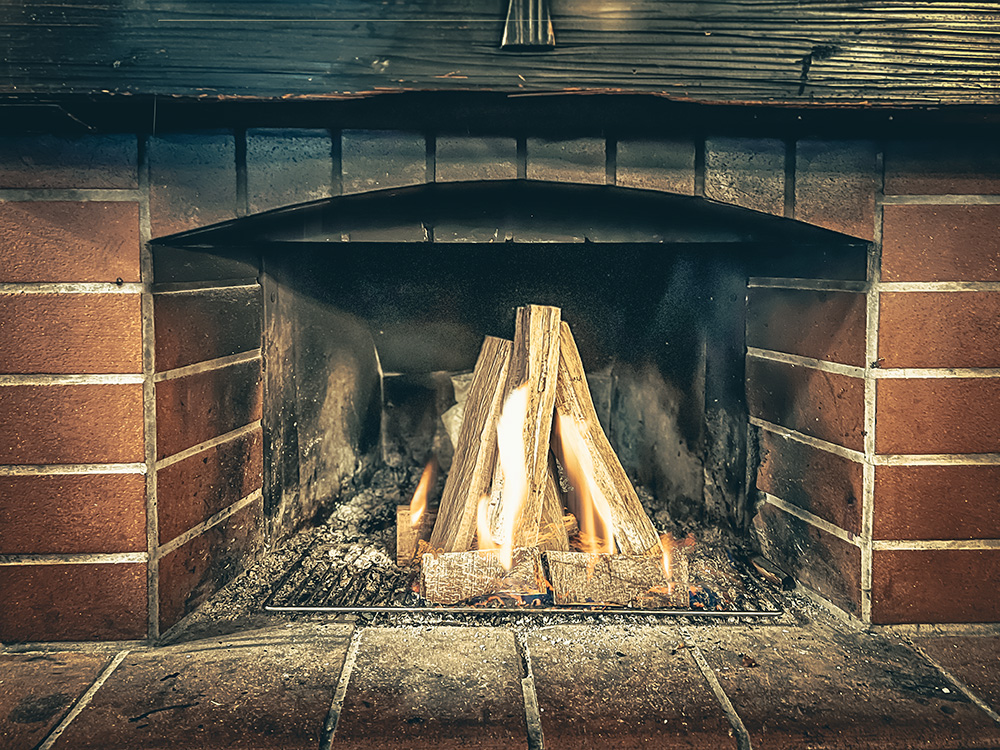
[(127, 495)]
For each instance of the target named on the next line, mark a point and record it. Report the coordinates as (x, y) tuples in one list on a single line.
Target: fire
[(484, 536), (586, 501), (418, 504), (513, 463)]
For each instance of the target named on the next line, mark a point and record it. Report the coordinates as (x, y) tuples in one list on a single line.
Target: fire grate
[(358, 578)]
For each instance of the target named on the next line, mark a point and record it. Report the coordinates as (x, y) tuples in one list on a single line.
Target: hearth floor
[(805, 681)]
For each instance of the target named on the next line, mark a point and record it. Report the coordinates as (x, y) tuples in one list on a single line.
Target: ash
[(348, 560)]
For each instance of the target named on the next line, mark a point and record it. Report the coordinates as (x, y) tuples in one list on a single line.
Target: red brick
[(192, 181), (747, 172), (37, 690), (939, 329), (825, 405), (577, 160), (190, 491), (831, 686), (606, 687), (938, 415), (953, 166), (835, 186), (73, 513), (823, 562), (437, 687), (822, 325), (935, 586), (70, 333), (941, 243), (974, 660), (266, 689), (71, 424), (63, 241), (83, 602), (824, 484), (197, 569), (937, 502), (49, 161), (196, 408), (197, 326)]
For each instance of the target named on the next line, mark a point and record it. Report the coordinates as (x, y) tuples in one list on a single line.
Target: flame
[(418, 504), (586, 501), (484, 536), (513, 463)]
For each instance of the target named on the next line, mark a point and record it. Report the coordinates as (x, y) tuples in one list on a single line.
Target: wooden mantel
[(785, 52)]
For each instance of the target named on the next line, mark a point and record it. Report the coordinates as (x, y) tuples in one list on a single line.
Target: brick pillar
[(73, 537), (936, 493)]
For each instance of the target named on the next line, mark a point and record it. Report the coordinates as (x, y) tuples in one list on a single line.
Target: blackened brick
[(378, 159), (470, 158), (835, 185), (192, 181), (288, 166), (576, 160), (746, 172), (48, 161), (956, 166), (656, 165)]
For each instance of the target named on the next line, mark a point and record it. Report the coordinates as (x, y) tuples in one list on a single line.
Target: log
[(535, 363), (634, 532), (623, 580), (452, 577), (476, 451), (408, 537), (553, 534)]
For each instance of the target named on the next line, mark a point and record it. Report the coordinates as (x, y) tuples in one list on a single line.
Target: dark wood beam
[(782, 52)]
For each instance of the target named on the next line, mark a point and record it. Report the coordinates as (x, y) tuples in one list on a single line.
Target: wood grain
[(634, 532), (781, 51), (476, 453), (583, 578)]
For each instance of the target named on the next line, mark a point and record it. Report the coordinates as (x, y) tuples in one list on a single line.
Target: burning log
[(453, 577), (409, 536), (634, 533), (476, 452), (623, 580)]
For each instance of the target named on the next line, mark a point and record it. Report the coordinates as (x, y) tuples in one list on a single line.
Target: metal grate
[(358, 579)]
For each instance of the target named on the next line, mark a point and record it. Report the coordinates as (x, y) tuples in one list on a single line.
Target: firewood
[(452, 577), (475, 453), (623, 580), (409, 537), (634, 532), (535, 363), (552, 532)]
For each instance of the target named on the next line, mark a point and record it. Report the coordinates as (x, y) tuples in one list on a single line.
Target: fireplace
[(181, 398)]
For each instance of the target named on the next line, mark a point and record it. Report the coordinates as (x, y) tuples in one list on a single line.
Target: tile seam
[(73, 195), (212, 521), (917, 545), (962, 687), (337, 703), (187, 287), (971, 199), (208, 365), (194, 450), (25, 470), (798, 360), (812, 442), (807, 285), (739, 729), (83, 701), (813, 520), (938, 286), (532, 714), (71, 287), (76, 558), (75, 379), (937, 459)]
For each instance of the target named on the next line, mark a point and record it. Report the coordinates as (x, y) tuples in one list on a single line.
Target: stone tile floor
[(805, 681)]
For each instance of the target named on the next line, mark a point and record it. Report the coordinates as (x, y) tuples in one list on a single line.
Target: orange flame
[(418, 504), (586, 501), (513, 462), (484, 537)]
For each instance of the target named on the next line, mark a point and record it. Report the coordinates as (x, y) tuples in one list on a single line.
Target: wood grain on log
[(553, 533), (640, 582), (453, 577), (634, 532), (408, 537), (476, 452)]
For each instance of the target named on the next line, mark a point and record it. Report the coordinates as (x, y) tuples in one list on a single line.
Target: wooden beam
[(476, 452)]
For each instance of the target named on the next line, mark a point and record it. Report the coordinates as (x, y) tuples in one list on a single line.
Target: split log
[(622, 580), (476, 451), (634, 532), (535, 363), (408, 537), (553, 534), (452, 577)]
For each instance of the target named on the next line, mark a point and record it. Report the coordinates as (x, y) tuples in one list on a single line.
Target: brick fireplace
[(134, 439)]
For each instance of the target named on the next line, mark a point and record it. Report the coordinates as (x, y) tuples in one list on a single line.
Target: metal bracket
[(528, 27)]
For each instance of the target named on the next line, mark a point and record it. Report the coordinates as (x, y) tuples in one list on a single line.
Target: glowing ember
[(418, 505), (586, 501), (513, 463)]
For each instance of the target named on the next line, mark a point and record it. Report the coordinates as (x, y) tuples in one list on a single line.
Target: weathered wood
[(452, 577), (634, 532), (534, 363), (639, 582), (553, 534), (476, 452), (408, 537), (782, 51)]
